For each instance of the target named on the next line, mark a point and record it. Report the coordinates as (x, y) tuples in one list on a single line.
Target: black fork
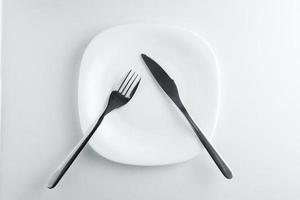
[(117, 99)]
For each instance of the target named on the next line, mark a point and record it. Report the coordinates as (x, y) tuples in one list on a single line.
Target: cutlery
[(170, 88), (117, 99)]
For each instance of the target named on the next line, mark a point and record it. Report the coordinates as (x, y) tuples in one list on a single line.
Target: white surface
[(149, 129), (0, 70), (257, 43)]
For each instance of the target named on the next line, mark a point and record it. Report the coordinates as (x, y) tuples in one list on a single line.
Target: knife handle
[(208, 146)]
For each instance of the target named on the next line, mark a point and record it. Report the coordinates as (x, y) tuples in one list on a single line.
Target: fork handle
[(64, 166), (208, 146)]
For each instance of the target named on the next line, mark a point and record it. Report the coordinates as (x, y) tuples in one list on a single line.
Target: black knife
[(170, 88)]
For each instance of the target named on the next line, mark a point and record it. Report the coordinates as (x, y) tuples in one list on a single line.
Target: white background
[(258, 45)]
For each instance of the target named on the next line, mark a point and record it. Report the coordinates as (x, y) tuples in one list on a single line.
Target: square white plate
[(149, 130)]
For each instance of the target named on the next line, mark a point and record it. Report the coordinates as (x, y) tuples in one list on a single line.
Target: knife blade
[(163, 79), (169, 87)]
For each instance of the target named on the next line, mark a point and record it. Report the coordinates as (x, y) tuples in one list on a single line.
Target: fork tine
[(134, 89), (124, 80), (127, 82), (131, 84)]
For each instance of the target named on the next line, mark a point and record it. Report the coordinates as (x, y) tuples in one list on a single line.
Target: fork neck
[(100, 119)]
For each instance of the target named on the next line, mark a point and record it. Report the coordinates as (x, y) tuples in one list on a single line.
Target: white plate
[(149, 130)]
